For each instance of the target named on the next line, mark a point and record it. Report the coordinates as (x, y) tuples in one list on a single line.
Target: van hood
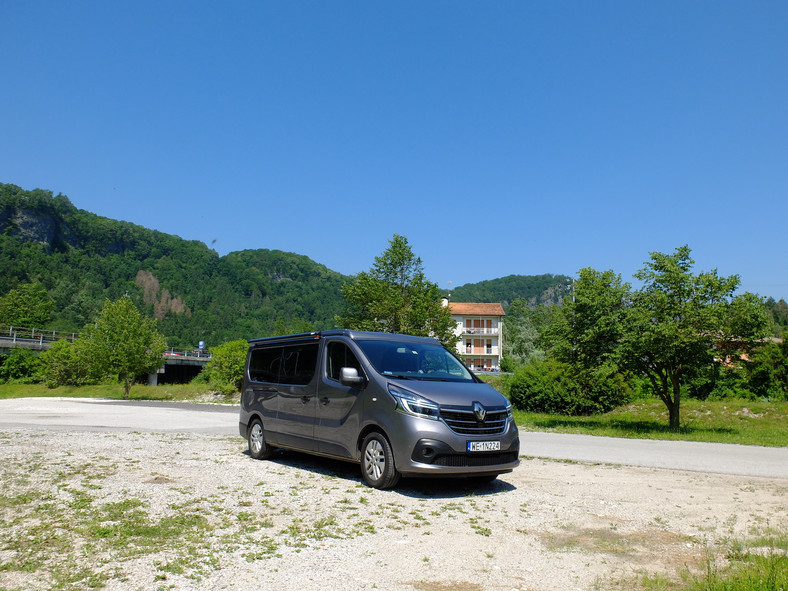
[(457, 394)]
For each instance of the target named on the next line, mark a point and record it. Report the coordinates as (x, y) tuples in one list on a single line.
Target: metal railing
[(36, 338), (483, 331), (173, 353), (35, 335)]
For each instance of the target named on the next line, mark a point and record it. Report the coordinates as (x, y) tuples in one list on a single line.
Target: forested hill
[(535, 289), (82, 258)]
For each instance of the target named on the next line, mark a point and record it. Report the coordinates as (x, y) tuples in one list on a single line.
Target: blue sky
[(500, 137)]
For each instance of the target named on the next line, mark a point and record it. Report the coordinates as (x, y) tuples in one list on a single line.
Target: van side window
[(264, 364), (298, 364), (339, 356)]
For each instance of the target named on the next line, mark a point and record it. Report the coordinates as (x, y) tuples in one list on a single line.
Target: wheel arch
[(252, 416), (362, 435)]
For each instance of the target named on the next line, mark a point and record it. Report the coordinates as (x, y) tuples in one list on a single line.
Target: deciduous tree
[(394, 296), (122, 342), (676, 323)]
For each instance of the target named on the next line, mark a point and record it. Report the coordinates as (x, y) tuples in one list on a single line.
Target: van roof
[(353, 334)]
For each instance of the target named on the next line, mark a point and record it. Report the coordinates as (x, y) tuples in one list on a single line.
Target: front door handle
[(325, 400), (305, 399)]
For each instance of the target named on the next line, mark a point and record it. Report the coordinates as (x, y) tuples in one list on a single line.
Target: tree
[(226, 368), (779, 315), (589, 328), (525, 330), (28, 305), (677, 323), (394, 296), (122, 342)]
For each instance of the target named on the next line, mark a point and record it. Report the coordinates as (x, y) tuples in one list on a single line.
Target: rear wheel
[(258, 448), (377, 462)]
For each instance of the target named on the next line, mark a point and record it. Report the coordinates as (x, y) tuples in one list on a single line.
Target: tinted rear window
[(292, 364)]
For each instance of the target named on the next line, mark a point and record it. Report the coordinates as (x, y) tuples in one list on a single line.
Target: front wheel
[(258, 448), (377, 462)]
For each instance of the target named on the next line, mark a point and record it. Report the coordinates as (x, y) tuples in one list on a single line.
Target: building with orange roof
[(480, 328)]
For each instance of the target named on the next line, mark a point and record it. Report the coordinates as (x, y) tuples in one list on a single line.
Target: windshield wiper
[(398, 376)]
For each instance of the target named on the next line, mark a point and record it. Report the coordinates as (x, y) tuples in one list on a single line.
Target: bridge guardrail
[(35, 335), (172, 353), (29, 337)]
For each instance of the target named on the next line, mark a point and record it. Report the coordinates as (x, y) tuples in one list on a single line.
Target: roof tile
[(475, 309)]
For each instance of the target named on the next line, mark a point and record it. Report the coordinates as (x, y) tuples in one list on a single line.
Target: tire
[(377, 462), (258, 448)]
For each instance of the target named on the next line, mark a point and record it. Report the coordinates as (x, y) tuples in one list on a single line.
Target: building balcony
[(494, 351), (480, 331)]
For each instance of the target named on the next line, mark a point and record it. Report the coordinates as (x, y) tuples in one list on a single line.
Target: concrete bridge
[(179, 365)]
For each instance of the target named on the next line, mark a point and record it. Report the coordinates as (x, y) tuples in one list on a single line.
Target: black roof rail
[(303, 336)]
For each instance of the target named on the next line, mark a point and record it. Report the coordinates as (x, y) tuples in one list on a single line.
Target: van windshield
[(414, 361)]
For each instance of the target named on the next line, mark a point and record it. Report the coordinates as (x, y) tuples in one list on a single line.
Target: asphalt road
[(165, 417)]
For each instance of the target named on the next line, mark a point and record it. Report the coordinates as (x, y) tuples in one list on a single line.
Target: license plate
[(484, 446)]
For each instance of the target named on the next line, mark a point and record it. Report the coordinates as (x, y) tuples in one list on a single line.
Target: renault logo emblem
[(479, 411)]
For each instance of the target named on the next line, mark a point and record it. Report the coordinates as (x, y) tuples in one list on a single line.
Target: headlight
[(509, 413), (411, 404)]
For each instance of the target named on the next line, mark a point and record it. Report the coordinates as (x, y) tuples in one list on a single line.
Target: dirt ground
[(148, 511)]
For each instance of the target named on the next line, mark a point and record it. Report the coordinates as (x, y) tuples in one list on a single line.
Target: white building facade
[(480, 328)]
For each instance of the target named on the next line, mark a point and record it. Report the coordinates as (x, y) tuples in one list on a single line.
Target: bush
[(225, 370), (763, 376), (508, 364), (21, 366), (556, 388), (717, 383), (767, 371), (66, 364)]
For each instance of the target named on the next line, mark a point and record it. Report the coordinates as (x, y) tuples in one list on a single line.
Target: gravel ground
[(148, 511)]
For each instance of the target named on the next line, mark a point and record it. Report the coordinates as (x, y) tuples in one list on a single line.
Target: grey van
[(395, 404)]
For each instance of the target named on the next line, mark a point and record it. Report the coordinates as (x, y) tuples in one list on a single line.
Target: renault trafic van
[(395, 404)]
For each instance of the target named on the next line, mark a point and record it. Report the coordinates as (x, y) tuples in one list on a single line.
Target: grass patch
[(760, 566), (164, 392), (726, 421)]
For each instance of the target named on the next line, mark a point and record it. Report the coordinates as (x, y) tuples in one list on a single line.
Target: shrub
[(767, 371), (66, 364), (225, 370), (21, 366), (507, 363), (556, 388), (716, 382)]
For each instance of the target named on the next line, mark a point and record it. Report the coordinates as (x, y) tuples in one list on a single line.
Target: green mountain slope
[(82, 258), (535, 289)]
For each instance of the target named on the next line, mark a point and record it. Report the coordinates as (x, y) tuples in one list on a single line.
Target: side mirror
[(348, 376)]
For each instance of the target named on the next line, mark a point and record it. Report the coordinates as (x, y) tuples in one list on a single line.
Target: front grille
[(471, 460), (464, 422)]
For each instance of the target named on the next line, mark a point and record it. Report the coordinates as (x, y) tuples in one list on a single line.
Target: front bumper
[(431, 448)]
